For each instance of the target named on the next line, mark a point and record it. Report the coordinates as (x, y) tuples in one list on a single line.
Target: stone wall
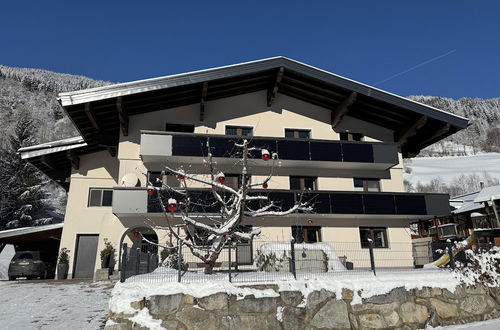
[(399, 309)]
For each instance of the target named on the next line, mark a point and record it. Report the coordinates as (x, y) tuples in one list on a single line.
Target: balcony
[(297, 156), (326, 204)]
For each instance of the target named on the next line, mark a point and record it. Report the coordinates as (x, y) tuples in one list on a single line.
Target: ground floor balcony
[(296, 156), (326, 204)]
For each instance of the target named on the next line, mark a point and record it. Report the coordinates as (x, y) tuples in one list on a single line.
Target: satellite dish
[(130, 180)]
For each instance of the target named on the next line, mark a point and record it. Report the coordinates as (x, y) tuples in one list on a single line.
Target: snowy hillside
[(454, 175)]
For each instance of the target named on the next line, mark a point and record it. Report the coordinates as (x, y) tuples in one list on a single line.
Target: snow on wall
[(5, 257)]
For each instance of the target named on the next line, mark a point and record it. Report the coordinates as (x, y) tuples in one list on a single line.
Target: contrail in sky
[(415, 67)]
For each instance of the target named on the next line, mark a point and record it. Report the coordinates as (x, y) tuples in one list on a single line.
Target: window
[(366, 184), (303, 183), (297, 133), (169, 127), (239, 130), (347, 136), (302, 234), (377, 235), (157, 179), (100, 197)]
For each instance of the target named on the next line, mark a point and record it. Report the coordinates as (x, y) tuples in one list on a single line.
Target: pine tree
[(22, 198)]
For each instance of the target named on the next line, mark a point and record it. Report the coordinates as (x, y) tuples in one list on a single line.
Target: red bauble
[(180, 177), (265, 185), (172, 207), (309, 222), (187, 238), (220, 178), (265, 155), (206, 256), (136, 234), (151, 191)]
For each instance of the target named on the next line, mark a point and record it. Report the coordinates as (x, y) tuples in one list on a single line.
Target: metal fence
[(136, 262), (265, 261)]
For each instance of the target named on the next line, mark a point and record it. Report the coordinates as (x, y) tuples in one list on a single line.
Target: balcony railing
[(411, 205), (159, 147)]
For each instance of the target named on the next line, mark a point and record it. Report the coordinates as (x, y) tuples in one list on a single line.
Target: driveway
[(54, 304)]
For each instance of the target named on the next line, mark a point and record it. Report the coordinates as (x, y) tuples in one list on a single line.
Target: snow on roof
[(28, 230), (488, 194), (51, 147), (467, 207)]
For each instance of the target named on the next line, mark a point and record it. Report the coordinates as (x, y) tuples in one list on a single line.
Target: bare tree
[(234, 204)]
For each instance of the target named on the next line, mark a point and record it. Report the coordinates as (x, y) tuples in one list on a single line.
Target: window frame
[(372, 237), (351, 136), (303, 230), (239, 130), (296, 133), (302, 182), (365, 182), (102, 197)]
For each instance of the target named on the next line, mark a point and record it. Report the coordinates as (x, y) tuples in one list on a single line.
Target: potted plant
[(63, 264), (107, 253)]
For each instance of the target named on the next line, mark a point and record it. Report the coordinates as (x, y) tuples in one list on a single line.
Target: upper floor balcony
[(296, 156), (327, 204)]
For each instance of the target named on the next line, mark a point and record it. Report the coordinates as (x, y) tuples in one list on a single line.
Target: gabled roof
[(100, 113), (488, 194)]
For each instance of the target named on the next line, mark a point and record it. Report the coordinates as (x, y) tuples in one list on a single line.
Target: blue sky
[(368, 41)]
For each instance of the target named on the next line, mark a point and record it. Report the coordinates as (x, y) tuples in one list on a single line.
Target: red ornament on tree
[(265, 155), (220, 178), (187, 238), (151, 191), (265, 185), (172, 205), (136, 234), (180, 177), (206, 256)]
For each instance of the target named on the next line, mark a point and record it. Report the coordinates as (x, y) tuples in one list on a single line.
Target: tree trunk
[(209, 268)]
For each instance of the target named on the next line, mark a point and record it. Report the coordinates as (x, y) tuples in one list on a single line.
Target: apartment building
[(338, 140)]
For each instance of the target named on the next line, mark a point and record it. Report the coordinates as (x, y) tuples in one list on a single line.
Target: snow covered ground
[(424, 169), (483, 325), (53, 305)]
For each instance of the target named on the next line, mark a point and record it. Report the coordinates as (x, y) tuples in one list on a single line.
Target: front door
[(86, 250)]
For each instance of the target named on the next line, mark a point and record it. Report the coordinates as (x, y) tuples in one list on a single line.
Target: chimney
[(481, 184)]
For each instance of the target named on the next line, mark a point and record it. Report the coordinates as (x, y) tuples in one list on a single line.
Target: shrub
[(482, 266), (63, 257), (108, 250)]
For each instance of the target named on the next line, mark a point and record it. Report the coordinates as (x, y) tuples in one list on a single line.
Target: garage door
[(85, 256)]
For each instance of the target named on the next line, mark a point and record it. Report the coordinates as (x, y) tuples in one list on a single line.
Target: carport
[(40, 238)]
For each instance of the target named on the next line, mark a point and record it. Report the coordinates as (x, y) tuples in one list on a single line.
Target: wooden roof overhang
[(100, 113)]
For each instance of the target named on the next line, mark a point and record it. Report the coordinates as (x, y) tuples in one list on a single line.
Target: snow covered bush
[(276, 261), (170, 259), (481, 267)]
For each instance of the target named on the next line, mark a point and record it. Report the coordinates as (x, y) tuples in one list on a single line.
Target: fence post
[(123, 264), (179, 260), (450, 253), (148, 261), (137, 261), (229, 258), (372, 259), (292, 256)]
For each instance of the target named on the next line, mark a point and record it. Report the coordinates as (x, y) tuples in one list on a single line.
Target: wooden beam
[(271, 93), (343, 108), (409, 130), (74, 159), (443, 130), (204, 91), (91, 116), (122, 115)]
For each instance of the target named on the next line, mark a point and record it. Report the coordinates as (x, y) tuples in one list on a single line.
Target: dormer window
[(297, 133)]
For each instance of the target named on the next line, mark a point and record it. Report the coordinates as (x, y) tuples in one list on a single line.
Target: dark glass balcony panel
[(326, 151), (347, 203), (189, 145), (285, 200), (268, 144), (293, 150), (222, 147), (320, 201), (410, 204), (379, 204), (357, 152)]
